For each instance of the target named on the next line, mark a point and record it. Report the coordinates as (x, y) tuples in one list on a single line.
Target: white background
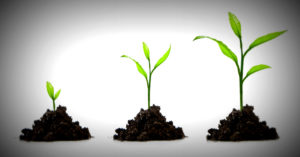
[(77, 46)]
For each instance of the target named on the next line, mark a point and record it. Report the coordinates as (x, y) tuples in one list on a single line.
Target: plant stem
[(53, 105), (149, 84), (241, 74), (149, 91)]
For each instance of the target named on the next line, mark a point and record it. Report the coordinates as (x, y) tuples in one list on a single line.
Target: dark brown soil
[(242, 126), (149, 125), (55, 126)]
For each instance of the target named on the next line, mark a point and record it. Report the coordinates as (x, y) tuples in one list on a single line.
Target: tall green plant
[(50, 90), (142, 71), (236, 27)]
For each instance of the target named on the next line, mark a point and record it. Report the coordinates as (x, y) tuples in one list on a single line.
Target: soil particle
[(55, 126), (149, 125), (241, 126)]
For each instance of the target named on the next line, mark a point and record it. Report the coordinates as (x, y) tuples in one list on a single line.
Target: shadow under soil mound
[(55, 126), (149, 125), (242, 126)]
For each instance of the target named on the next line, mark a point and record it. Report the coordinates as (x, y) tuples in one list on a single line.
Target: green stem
[(246, 52), (149, 84), (149, 87), (241, 75), (53, 105)]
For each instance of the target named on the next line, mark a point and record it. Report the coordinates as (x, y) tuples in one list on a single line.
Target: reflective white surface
[(194, 145)]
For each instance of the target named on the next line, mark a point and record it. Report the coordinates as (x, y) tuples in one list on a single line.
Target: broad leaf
[(226, 51), (265, 38), (162, 59), (139, 67), (57, 94), (235, 24), (146, 51), (255, 69), (50, 90)]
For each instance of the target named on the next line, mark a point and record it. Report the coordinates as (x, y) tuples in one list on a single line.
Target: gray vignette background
[(77, 45)]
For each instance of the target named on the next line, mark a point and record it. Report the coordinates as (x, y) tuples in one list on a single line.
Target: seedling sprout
[(50, 90), (142, 71), (236, 27)]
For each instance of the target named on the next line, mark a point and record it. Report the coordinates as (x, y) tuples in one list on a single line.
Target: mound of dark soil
[(149, 125), (55, 126), (241, 126)]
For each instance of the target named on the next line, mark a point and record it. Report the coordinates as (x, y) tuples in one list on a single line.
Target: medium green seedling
[(50, 90), (236, 27), (143, 72)]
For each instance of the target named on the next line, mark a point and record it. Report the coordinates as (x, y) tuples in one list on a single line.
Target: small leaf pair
[(50, 90), (236, 27), (143, 72)]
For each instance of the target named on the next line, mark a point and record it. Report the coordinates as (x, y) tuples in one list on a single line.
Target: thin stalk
[(149, 91), (246, 52), (241, 74), (53, 105), (149, 84)]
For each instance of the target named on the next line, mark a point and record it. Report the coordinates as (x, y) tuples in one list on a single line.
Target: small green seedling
[(50, 90), (142, 71), (236, 27)]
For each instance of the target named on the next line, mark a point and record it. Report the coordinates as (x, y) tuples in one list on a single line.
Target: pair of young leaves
[(50, 90), (147, 54), (236, 27)]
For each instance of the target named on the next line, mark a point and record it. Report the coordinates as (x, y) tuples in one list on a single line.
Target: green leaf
[(162, 59), (255, 69), (50, 90), (226, 51), (199, 37), (235, 24), (265, 38), (146, 51), (57, 94), (139, 67)]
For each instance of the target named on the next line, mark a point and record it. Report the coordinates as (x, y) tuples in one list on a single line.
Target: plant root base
[(242, 126), (55, 126), (149, 125)]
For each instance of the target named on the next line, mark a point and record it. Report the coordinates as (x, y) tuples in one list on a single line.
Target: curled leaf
[(139, 67), (224, 48)]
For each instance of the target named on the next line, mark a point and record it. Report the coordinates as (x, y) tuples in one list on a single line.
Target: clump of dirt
[(241, 126), (55, 126), (149, 125)]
